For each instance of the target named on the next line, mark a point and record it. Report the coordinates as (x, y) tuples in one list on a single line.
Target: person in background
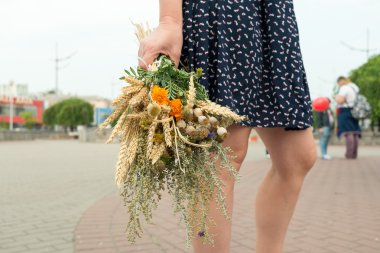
[(325, 125), (348, 125)]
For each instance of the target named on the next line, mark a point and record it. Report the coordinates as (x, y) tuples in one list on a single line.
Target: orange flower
[(160, 95), (176, 108)]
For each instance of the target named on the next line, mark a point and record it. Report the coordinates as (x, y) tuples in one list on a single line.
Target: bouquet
[(171, 137)]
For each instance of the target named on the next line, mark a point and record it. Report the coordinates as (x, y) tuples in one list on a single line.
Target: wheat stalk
[(167, 133), (113, 116), (127, 155), (117, 129), (131, 89), (157, 152), (216, 109), (192, 93), (139, 97), (151, 132), (128, 150), (122, 164), (123, 98), (137, 116), (133, 81)]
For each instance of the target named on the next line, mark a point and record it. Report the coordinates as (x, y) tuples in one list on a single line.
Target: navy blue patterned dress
[(249, 51)]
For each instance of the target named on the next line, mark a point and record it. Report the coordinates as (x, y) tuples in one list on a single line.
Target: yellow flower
[(176, 110), (160, 95)]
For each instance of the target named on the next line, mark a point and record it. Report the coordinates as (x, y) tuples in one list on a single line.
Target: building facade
[(15, 106), (14, 100)]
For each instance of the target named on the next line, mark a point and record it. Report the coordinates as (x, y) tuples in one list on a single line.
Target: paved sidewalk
[(45, 186), (339, 211), (54, 194)]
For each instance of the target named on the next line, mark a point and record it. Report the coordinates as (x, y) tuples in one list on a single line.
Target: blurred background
[(59, 67)]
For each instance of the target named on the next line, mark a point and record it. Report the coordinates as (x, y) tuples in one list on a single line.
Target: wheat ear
[(151, 132), (117, 129), (139, 97), (127, 155), (133, 81), (216, 109), (167, 133), (157, 152), (113, 116), (192, 93)]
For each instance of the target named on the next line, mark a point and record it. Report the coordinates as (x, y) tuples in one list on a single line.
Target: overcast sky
[(102, 35)]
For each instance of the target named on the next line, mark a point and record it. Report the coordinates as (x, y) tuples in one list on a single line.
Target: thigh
[(289, 148)]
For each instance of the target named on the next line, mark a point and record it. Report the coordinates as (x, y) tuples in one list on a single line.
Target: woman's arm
[(166, 38), (171, 11)]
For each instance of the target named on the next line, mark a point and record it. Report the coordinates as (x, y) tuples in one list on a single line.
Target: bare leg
[(238, 141), (293, 153)]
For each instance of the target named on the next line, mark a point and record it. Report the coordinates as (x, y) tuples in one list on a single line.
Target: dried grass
[(142, 31)]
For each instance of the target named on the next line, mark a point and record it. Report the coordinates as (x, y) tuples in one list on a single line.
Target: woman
[(348, 125), (249, 52)]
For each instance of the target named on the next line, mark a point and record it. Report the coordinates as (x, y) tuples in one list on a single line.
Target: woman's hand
[(165, 39)]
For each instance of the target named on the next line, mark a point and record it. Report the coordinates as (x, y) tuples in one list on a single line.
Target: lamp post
[(11, 105), (11, 113), (58, 61)]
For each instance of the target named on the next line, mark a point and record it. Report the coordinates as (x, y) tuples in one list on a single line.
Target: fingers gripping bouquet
[(171, 138)]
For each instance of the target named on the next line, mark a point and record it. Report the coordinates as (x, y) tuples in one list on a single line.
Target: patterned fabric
[(250, 54)]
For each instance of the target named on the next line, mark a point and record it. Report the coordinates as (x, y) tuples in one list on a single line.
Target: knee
[(308, 160), (297, 166)]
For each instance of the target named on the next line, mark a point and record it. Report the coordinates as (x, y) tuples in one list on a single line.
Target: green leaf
[(133, 71), (126, 71)]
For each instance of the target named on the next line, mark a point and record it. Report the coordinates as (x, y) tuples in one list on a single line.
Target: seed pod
[(222, 132), (198, 112), (190, 129), (203, 120), (213, 121), (154, 110), (187, 114), (203, 133), (181, 124)]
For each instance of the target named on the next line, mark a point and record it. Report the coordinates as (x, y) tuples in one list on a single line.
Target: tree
[(29, 121), (75, 112), (69, 113), (50, 114), (367, 77)]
